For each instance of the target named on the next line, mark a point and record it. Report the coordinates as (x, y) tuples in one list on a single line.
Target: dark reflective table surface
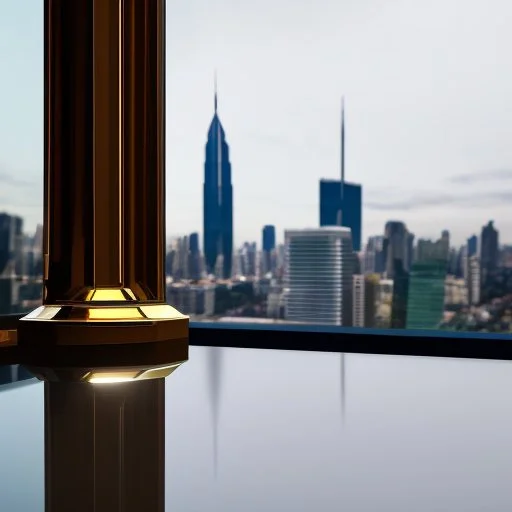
[(261, 430)]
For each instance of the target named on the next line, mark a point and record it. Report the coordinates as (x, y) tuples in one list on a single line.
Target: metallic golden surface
[(91, 324), (104, 225), (8, 337), (104, 375)]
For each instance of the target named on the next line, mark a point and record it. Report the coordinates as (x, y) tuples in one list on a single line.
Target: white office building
[(319, 265)]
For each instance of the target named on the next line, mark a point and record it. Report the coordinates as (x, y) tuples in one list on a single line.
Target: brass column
[(104, 205)]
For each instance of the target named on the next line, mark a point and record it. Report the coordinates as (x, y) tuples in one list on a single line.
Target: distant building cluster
[(21, 266), (326, 275), (319, 275)]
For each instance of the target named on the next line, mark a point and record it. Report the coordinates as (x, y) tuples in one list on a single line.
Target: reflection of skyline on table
[(13, 376), (283, 449), (214, 370), (342, 387), (407, 445)]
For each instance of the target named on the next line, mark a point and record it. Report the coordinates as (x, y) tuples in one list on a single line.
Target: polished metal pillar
[(105, 446), (104, 205)]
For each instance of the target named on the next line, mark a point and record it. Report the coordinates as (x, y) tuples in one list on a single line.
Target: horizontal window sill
[(324, 338)]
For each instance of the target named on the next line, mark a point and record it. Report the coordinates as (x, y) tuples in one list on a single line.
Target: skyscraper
[(489, 252), (11, 228), (472, 244), (428, 250), (247, 259), (373, 257), (425, 298), (331, 202), (268, 244), (400, 294), (218, 201), (341, 202), (364, 291), (318, 277), (10, 252), (397, 247), (194, 266)]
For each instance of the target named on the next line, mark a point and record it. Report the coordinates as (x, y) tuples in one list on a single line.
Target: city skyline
[(427, 120)]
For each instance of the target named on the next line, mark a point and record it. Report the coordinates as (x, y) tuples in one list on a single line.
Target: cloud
[(9, 179), (478, 200), (493, 175)]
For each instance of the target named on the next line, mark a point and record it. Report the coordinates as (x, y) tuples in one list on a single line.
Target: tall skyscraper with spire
[(218, 200), (340, 201)]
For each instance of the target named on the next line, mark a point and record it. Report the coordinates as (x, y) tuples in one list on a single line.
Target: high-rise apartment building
[(473, 280), (318, 276), (364, 297), (218, 202)]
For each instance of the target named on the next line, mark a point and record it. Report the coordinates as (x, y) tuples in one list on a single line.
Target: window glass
[(21, 155), (344, 163)]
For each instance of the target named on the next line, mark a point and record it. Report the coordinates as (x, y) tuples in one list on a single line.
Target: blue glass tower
[(341, 202), (350, 204), (269, 238), (268, 245), (218, 200)]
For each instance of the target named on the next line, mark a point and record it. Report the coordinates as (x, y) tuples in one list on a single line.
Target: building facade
[(364, 290), (350, 204), (318, 275), (489, 252), (425, 299), (218, 202), (397, 248)]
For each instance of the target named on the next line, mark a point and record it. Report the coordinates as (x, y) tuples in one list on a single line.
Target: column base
[(101, 324)]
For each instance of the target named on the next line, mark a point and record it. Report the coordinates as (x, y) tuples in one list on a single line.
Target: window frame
[(319, 338)]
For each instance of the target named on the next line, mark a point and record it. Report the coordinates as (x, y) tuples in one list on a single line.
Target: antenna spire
[(215, 90), (342, 162), (342, 140)]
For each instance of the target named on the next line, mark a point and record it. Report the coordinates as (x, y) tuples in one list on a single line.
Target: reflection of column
[(105, 446)]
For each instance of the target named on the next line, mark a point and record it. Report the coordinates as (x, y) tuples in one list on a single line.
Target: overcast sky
[(428, 110)]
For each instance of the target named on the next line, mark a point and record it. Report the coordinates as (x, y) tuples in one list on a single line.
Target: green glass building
[(425, 300)]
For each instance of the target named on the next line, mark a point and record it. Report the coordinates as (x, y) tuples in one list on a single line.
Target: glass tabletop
[(260, 430)]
